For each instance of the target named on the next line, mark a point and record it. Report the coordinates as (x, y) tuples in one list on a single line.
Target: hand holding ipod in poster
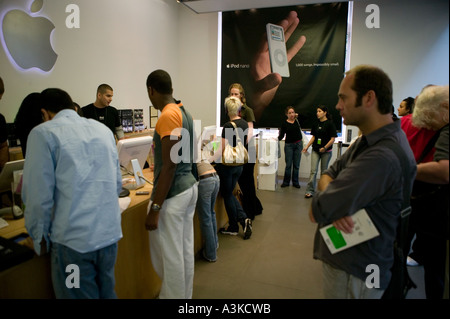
[(271, 62)]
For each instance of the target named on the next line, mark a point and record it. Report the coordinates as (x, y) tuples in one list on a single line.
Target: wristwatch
[(155, 207)]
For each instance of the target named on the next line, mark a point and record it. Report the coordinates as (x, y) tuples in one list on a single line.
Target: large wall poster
[(316, 70)]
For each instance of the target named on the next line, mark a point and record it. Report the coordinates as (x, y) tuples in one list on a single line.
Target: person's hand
[(266, 82), (43, 247), (345, 224), (151, 222)]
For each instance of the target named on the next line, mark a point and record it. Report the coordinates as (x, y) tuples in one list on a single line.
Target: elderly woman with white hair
[(431, 111)]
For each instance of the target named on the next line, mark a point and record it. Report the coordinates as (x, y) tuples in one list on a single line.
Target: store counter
[(135, 277), (30, 279), (15, 153)]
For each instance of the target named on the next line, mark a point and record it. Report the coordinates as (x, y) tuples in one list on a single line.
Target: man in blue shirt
[(71, 185)]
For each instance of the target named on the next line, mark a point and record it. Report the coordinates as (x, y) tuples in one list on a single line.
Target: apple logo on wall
[(27, 38)]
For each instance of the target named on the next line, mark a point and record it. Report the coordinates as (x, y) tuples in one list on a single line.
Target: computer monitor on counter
[(133, 153)]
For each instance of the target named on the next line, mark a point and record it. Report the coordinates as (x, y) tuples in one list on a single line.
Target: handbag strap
[(402, 243), (429, 146), (402, 228), (404, 164), (238, 139), (299, 127)]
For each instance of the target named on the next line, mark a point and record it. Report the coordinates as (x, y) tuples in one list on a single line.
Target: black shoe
[(296, 186), (249, 215), (284, 185), (248, 228)]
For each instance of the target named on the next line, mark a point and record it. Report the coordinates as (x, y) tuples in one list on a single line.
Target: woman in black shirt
[(323, 134), (292, 147), (229, 175)]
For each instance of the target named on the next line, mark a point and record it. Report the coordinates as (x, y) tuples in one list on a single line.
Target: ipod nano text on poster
[(277, 50)]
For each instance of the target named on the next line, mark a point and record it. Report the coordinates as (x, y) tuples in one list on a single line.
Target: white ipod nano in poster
[(277, 50)]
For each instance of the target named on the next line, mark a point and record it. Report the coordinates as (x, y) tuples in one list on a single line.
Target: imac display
[(134, 148), (10, 177), (209, 143), (7, 174), (209, 133)]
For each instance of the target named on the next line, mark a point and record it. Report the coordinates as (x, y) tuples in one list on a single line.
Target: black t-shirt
[(441, 145), (292, 131), (323, 132), (3, 129), (229, 133), (108, 116)]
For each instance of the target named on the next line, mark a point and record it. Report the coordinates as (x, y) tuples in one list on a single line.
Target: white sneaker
[(227, 231), (411, 262)]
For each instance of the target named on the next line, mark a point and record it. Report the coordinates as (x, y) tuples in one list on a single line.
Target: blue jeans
[(94, 271), (292, 156), (324, 159), (208, 189), (229, 176)]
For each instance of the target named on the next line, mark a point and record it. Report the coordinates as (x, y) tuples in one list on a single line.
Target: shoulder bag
[(401, 282), (235, 156)]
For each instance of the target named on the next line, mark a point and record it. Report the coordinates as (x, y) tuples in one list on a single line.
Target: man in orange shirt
[(174, 196)]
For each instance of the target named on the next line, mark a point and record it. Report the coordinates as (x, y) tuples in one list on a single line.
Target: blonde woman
[(229, 175), (250, 202)]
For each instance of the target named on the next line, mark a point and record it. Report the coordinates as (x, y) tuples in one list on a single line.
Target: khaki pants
[(338, 284)]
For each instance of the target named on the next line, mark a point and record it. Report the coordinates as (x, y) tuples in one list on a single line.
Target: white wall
[(411, 45), (197, 41), (118, 42)]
